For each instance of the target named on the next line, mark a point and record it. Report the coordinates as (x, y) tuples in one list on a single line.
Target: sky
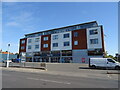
[(19, 18)]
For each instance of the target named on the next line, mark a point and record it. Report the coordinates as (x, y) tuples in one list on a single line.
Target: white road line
[(109, 76), (49, 80)]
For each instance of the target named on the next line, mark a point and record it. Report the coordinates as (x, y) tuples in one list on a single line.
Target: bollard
[(7, 64), (43, 66)]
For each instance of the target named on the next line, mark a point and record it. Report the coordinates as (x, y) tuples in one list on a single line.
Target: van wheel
[(93, 66), (117, 67)]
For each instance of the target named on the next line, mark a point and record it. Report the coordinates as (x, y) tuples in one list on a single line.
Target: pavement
[(35, 78)]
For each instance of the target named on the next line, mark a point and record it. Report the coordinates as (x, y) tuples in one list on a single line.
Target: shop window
[(66, 53)]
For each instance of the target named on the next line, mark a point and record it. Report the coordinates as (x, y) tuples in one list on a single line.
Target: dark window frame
[(93, 32), (76, 34), (55, 44), (67, 43), (67, 35), (94, 41)]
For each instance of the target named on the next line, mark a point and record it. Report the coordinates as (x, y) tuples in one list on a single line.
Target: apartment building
[(69, 44)]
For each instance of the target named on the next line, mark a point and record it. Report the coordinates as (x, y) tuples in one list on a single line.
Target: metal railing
[(27, 65)]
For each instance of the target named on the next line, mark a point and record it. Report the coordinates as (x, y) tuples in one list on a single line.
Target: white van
[(104, 63)]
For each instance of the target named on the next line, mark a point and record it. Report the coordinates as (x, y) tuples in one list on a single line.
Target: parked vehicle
[(16, 60), (4, 61), (103, 63)]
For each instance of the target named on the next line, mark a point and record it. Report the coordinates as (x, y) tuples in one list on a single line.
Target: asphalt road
[(14, 79)]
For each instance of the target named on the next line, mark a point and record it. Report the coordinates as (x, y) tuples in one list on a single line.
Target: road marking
[(49, 80), (109, 76)]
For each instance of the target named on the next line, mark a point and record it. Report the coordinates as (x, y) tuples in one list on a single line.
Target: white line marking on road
[(49, 80), (109, 76)]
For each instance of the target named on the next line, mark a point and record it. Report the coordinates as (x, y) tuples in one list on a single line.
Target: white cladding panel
[(61, 41), (98, 36), (33, 43)]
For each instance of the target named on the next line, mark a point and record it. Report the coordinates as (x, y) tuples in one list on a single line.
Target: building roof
[(62, 27), (6, 53)]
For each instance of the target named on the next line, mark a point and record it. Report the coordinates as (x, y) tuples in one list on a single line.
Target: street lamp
[(8, 56)]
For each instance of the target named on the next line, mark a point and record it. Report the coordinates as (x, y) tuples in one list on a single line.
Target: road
[(14, 79)]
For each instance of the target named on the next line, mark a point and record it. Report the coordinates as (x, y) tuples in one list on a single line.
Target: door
[(110, 63)]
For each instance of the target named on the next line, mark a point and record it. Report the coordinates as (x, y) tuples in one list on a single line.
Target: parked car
[(103, 63), (16, 60)]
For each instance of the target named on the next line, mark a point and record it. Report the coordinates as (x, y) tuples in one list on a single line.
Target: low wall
[(66, 67)]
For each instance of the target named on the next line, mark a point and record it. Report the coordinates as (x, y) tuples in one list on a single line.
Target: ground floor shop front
[(64, 56)]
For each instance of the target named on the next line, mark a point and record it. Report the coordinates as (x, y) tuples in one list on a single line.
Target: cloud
[(21, 20), (12, 24), (19, 16), (22, 17)]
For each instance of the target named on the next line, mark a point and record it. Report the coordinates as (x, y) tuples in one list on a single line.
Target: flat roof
[(62, 27)]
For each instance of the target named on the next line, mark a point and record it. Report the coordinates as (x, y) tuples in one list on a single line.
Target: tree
[(17, 55)]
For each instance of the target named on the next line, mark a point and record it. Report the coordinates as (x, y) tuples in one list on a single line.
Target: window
[(75, 42), (55, 53), (23, 41), (75, 34), (45, 45), (94, 41), (110, 60), (92, 32), (29, 47), (36, 46), (55, 37), (66, 43), (67, 53), (45, 38), (66, 35), (22, 48), (29, 40), (95, 52), (55, 44), (36, 39)]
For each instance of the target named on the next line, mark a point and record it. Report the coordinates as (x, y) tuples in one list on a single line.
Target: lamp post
[(8, 56)]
